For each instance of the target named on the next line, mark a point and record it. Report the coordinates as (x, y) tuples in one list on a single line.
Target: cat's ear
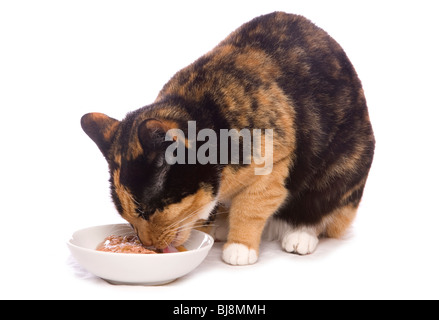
[(101, 129), (156, 136), (152, 133)]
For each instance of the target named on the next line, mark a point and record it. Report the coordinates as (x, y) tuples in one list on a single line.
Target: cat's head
[(163, 202)]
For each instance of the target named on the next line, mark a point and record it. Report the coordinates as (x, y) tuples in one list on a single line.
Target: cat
[(279, 72)]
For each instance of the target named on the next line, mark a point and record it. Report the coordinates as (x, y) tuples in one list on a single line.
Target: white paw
[(300, 241), (239, 254)]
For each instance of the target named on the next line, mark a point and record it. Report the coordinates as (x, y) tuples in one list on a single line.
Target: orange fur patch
[(338, 221), (253, 199), (125, 197)]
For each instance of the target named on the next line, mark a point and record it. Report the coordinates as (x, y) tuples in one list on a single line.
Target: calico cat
[(279, 72)]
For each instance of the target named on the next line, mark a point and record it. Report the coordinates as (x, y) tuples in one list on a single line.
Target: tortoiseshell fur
[(280, 72)]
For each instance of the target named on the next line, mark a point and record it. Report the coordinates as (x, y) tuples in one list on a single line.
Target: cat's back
[(286, 49), (277, 71), (309, 59), (276, 31)]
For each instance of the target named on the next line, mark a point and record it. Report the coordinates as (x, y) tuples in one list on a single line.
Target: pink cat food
[(132, 244), (125, 244)]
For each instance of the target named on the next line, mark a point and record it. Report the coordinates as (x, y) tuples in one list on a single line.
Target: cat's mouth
[(180, 237), (172, 239)]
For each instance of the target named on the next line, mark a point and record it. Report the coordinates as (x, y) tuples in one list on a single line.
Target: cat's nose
[(146, 241)]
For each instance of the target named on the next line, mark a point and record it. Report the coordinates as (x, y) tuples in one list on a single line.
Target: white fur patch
[(239, 254), (205, 212), (275, 229), (301, 240)]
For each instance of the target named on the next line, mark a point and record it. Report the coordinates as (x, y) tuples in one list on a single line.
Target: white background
[(61, 59)]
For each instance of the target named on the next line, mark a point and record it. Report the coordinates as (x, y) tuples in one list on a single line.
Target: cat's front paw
[(239, 254), (300, 241)]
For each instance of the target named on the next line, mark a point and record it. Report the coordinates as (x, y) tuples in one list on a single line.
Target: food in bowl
[(132, 244), (125, 244)]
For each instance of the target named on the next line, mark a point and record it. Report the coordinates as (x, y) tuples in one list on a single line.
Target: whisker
[(194, 225), (210, 224), (179, 226), (189, 225), (193, 213)]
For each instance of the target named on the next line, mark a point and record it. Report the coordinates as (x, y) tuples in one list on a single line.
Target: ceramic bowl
[(136, 269)]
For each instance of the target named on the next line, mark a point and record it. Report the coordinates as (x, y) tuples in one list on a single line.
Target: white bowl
[(137, 269)]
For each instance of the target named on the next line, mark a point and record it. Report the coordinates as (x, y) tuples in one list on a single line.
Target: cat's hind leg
[(300, 240), (336, 223), (304, 240)]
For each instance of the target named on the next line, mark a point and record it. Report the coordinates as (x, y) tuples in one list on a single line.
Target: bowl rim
[(69, 242)]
